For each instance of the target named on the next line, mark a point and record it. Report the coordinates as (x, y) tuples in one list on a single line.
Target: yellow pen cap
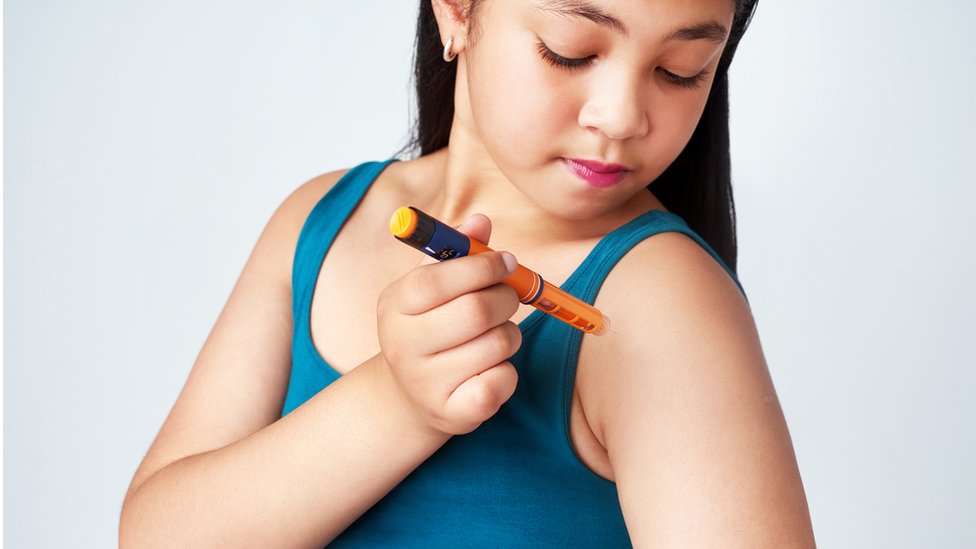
[(404, 222)]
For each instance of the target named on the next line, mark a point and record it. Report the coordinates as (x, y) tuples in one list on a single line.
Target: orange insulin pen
[(434, 238)]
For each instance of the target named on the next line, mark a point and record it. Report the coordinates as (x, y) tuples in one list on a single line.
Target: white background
[(147, 143)]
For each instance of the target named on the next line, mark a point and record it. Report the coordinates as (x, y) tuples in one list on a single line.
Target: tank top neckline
[(528, 322)]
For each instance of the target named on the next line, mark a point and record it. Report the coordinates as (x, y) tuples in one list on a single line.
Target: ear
[(451, 21)]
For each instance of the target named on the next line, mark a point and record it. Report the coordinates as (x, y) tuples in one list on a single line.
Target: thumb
[(477, 226)]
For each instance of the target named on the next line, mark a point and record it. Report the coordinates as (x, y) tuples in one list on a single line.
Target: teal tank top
[(515, 481)]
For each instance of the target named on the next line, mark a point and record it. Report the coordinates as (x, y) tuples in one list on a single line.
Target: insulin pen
[(434, 238)]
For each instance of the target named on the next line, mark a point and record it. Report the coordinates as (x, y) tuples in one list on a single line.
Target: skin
[(621, 109), (676, 407), (680, 402)]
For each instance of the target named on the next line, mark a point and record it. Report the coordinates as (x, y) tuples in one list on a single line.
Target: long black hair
[(697, 186)]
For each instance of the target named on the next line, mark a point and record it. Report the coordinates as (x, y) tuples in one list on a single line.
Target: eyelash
[(557, 60)]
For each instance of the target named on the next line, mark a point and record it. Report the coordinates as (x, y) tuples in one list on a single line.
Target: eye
[(690, 82), (557, 60), (571, 63)]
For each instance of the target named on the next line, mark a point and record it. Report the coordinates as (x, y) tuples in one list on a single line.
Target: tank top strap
[(548, 358), (323, 224), (586, 281)]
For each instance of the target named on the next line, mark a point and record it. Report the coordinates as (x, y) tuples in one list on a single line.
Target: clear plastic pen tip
[(603, 328)]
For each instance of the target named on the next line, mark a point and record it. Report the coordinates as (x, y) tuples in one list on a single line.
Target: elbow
[(127, 526), (136, 526), (132, 532)]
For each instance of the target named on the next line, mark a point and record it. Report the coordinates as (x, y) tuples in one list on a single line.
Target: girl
[(352, 394)]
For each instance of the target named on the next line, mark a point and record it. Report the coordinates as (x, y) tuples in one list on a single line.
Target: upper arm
[(238, 382), (682, 400)]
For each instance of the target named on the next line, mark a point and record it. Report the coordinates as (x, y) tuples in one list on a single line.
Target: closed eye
[(684, 81), (575, 63), (557, 60)]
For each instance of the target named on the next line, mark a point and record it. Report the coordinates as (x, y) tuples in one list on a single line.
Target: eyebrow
[(709, 30)]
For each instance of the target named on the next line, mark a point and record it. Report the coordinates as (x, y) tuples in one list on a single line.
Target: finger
[(429, 286), (478, 227), (472, 357), (467, 316), (481, 395)]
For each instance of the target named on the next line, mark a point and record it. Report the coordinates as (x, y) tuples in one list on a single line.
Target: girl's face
[(598, 80)]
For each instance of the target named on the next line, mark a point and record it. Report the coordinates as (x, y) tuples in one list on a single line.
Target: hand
[(445, 336)]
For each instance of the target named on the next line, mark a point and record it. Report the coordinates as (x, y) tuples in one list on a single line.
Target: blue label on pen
[(447, 243)]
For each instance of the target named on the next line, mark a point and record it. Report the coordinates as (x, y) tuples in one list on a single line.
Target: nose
[(616, 109)]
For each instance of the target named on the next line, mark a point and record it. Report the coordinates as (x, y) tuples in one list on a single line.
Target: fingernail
[(510, 262)]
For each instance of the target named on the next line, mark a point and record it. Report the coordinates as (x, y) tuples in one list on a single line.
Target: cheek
[(518, 113), (673, 121)]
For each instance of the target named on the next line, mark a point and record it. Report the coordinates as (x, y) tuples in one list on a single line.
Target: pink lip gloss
[(600, 179)]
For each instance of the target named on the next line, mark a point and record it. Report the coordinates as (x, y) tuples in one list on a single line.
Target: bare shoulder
[(679, 394), (664, 297), (289, 218), (306, 195), (685, 290)]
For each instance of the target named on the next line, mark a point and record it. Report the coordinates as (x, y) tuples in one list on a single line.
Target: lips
[(597, 174)]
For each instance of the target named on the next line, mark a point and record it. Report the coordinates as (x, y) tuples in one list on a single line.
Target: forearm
[(298, 482)]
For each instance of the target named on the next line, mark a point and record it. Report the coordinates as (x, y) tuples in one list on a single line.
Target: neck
[(472, 183)]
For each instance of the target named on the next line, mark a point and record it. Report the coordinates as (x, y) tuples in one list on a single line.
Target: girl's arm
[(298, 482), (225, 471), (682, 400)]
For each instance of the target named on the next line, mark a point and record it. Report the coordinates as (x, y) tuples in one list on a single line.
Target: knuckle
[(494, 265), (511, 300), (424, 280), (515, 375), (482, 399), (499, 342), (515, 337), (477, 309)]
